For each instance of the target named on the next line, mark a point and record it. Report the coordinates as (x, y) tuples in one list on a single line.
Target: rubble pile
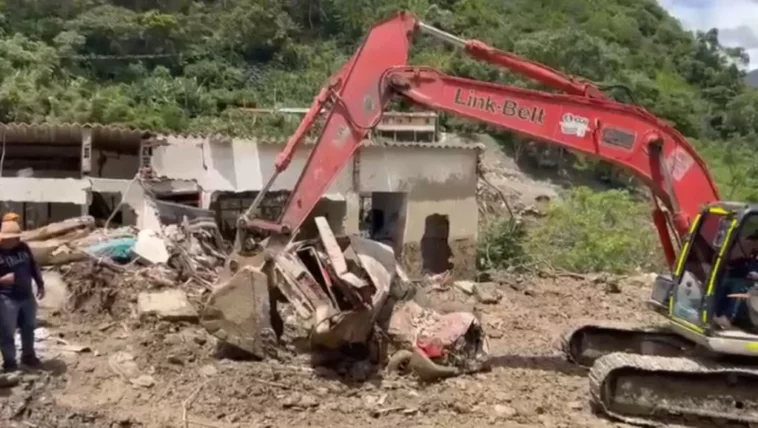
[(101, 265), (337, 295), (342, 300)]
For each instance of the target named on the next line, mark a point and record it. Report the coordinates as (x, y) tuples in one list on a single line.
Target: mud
[(529, 385)]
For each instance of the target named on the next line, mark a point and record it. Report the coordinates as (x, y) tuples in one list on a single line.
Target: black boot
[(31, 361), (10, 367)]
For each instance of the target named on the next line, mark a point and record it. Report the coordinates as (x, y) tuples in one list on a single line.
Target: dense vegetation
[(192, 64), (752, 78)]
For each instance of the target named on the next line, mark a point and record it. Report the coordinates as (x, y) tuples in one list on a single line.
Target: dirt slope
[(529, 385)]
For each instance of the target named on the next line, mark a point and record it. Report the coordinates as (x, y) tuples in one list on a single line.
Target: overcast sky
[(737, 20)]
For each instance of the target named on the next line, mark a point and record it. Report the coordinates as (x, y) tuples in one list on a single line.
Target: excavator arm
[(584, 121)]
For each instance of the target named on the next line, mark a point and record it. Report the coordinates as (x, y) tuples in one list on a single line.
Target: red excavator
[(693, 369)]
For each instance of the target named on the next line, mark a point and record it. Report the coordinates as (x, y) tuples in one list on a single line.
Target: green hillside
[(752, 78), (188, 65)]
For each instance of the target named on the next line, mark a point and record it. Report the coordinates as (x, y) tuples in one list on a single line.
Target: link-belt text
[(508, 108)]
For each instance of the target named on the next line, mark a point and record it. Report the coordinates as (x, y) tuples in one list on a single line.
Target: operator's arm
[(35, 272)]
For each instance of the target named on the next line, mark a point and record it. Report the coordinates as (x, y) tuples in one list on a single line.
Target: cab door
[(698, 266)]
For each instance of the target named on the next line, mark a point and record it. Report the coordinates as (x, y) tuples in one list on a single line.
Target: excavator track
[(588, 342), (652, 390)]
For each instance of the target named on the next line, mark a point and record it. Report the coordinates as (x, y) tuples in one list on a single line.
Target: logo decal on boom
[(575, 125), (508, 108)]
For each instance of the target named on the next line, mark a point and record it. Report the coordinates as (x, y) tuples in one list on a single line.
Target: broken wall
[(231, 164), (436, 179), (441, 216)]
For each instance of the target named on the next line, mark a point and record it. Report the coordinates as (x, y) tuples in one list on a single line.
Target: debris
[(487, 293), (123, 364), (505, 412), (465, 286), (9, 380), (118, 249), (56, 292), (145, 381), (208, 371), (337, 292), (151, 247), (171, 304)]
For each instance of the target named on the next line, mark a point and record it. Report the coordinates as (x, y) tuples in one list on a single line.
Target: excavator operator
[(741, 278)]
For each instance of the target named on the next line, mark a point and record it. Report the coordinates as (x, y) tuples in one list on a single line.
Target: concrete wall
[(438, 182), (230, 165)]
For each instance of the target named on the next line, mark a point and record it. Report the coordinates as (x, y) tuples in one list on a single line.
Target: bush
[(501, 245), (586, 232)]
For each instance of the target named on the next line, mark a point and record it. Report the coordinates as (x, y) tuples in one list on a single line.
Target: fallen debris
[(150, 247), (171, 305), (100, 266), (487, 293), (332, 297), (336, 293), (465, 286), (123, 364)]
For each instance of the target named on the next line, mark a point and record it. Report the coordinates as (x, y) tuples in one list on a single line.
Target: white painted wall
[(242, 165), (228, 166), (52, 190), (438, 181)]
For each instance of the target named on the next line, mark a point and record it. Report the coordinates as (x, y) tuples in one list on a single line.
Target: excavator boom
[(585, 121)]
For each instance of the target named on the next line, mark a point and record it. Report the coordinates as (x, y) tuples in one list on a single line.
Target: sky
[(737, 20)]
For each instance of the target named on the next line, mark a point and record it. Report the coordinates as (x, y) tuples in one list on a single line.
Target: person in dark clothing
[(18, 307), (739, 280)]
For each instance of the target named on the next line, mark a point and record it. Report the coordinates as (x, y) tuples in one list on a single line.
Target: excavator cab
[(721, 246)]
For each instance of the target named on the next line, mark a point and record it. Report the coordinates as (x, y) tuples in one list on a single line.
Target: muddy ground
[(184, 385)]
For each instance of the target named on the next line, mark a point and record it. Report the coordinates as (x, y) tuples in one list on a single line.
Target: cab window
[(704, 248)]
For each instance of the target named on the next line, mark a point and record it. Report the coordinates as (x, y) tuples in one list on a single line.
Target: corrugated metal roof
[(106, 136), (117, 138)]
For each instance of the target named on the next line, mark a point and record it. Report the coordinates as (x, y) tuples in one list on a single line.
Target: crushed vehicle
[(337, 296)]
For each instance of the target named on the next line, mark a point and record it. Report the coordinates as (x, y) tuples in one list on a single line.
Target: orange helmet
[(11, 217)]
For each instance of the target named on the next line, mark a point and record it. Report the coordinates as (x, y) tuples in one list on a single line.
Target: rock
[(290, 401), (175, 359), (150, 247), (465, 286), (307, 401), (546, 421), (504, 411), (208, 370), (9, 380), (643, 280), (56, 292), (122, 363), (145, 381), (487, 293), (171, 304)]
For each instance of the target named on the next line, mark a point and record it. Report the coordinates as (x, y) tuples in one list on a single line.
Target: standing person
[(17, 302)]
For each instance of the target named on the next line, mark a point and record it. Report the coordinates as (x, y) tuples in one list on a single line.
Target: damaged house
[(410, 186), (54, 172)]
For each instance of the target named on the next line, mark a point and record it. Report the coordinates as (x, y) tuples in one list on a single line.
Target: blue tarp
[(116, 249)]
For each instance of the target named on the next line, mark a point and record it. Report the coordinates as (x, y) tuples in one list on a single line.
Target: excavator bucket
[(238, 312)]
